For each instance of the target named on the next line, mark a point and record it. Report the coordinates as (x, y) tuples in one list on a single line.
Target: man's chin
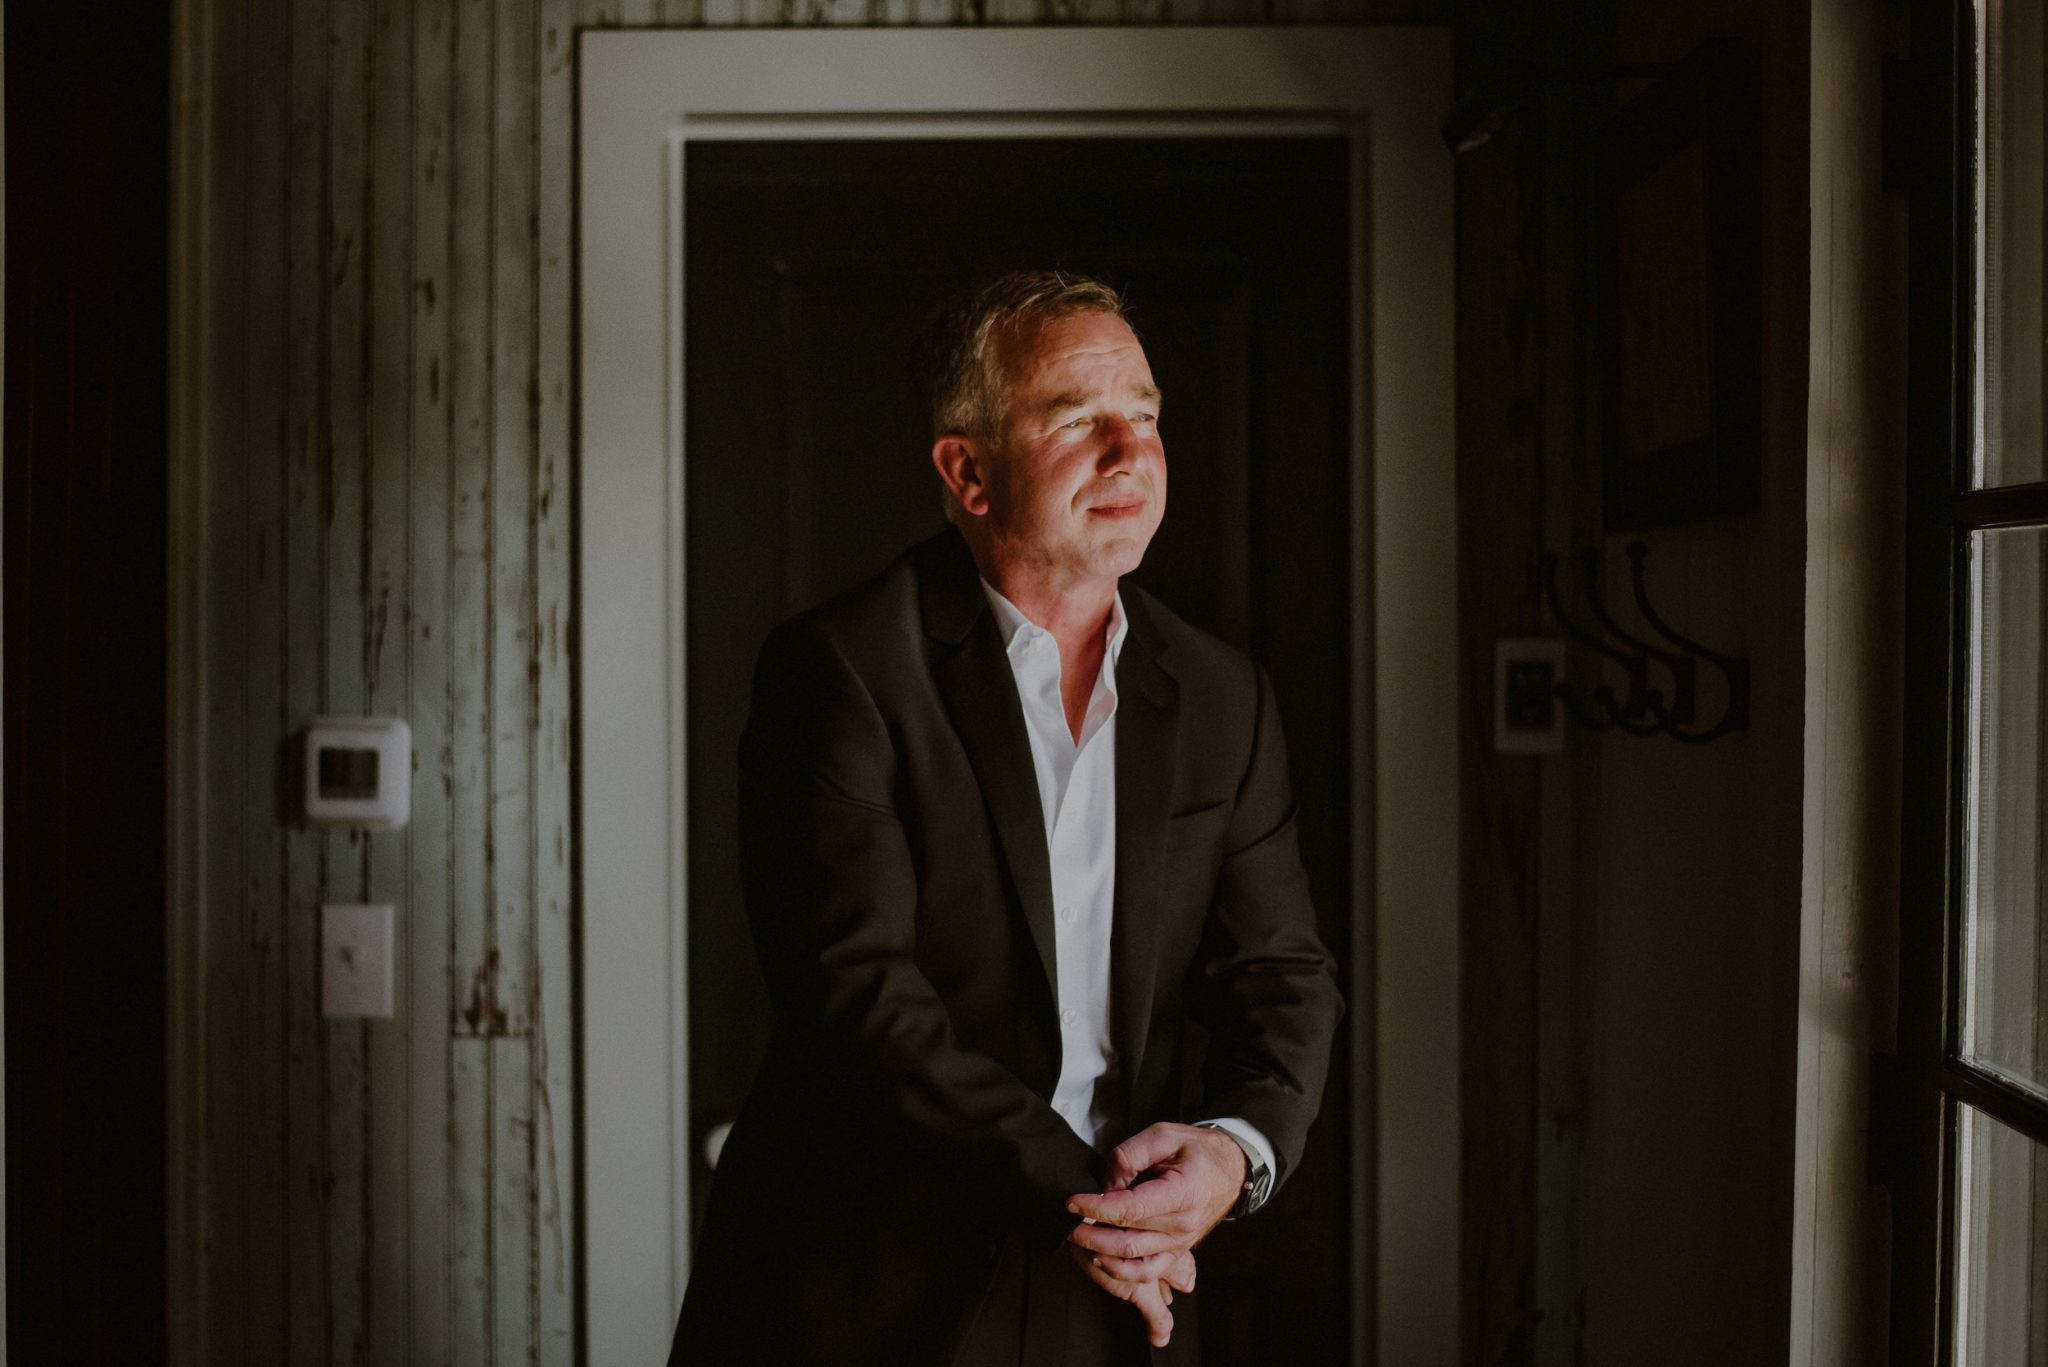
[(1121, 556)]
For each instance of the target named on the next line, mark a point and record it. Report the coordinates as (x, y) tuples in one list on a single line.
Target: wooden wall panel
[(258, 1204), (508, 617), (296, 648), (428, 980), (383, 523), (1503, 370), (349, 1104), (470, 909), (388, 1284), (552, 718)]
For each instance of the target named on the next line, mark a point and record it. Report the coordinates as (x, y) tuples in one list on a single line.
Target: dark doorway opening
[(809, 266)]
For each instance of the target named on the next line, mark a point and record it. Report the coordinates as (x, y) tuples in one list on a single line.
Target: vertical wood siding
[(383, 525), (1508, 864)]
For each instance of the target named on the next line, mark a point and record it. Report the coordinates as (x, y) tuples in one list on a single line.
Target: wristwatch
[(1258, 1178)]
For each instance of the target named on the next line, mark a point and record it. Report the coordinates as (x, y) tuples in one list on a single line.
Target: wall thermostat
[(359, 772)]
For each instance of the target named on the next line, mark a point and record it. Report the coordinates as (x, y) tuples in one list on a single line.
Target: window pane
[(2006, 934), (2001, 1222), (2010, 278)]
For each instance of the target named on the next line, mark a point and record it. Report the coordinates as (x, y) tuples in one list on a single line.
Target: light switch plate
[(355, 959)]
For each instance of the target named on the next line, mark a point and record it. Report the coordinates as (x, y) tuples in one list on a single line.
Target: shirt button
[(1069, 1016), (1067, 915)]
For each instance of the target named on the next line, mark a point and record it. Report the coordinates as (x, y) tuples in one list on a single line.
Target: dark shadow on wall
[(87, 161)]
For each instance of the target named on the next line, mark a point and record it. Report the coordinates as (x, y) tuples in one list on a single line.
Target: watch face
[(1261, 1186)]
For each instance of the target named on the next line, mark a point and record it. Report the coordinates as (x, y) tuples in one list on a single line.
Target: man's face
[(1077, 480)]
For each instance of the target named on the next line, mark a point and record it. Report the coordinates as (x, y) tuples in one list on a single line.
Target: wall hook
[(1606, 713), (1683, 674), (1735, 669), (1644, 712)]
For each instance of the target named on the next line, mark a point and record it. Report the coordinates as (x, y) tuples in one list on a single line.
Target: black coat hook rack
[(1648, 709)]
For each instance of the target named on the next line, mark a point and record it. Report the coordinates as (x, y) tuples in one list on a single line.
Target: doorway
[(654, 106), (809, 267)]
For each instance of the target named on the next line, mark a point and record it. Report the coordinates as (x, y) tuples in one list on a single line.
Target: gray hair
[(953, 362)]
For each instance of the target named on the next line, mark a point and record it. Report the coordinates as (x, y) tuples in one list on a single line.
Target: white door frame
[(644, 97)]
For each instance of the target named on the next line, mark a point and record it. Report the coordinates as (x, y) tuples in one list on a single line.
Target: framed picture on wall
[(1681, 292)]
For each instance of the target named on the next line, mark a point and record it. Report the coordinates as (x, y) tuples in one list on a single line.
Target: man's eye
[(1078, 422)]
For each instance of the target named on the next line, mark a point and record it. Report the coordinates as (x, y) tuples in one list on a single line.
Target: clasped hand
[(1169, 1185)]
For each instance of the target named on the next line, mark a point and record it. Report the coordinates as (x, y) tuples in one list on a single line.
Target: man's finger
[(1149, 1205), (1119, 1242), (1182, 1277), (1150, 1268), (1158, 1319), (1144, 1297), (1147, 1148)]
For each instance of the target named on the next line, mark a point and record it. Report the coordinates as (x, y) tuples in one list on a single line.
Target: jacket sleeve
[(831, 894), (1262, 984)]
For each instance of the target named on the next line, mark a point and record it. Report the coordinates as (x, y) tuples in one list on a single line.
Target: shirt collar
[(1010, 620)]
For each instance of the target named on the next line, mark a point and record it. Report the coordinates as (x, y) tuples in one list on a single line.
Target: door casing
[(645, 96)]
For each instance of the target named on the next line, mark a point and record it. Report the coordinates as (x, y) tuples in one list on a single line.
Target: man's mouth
[(1121, 508)]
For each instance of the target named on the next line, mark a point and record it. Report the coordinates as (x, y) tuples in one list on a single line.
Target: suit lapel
[(1148, 705), (973, 676)]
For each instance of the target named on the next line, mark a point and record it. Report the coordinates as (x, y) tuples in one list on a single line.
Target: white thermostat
[(359, 771)]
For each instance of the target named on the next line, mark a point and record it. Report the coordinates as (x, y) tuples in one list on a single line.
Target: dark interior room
[(1614, 431)]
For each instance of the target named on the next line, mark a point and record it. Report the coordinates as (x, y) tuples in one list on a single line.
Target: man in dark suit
[(1004, 829)]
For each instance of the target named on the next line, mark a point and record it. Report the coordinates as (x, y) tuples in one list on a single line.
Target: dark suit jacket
[(894, 860)]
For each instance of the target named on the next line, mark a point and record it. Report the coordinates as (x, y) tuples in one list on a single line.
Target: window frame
[(1936, 136)]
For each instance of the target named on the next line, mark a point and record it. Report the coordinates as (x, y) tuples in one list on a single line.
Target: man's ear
[(960, 463)]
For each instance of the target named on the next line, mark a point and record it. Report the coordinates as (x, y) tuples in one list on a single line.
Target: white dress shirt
[(1077, 794)]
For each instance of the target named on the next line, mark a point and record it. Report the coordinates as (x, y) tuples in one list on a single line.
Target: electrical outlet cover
[(1528, 719)]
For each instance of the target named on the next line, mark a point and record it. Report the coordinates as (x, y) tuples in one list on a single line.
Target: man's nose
[(1119, 444)]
